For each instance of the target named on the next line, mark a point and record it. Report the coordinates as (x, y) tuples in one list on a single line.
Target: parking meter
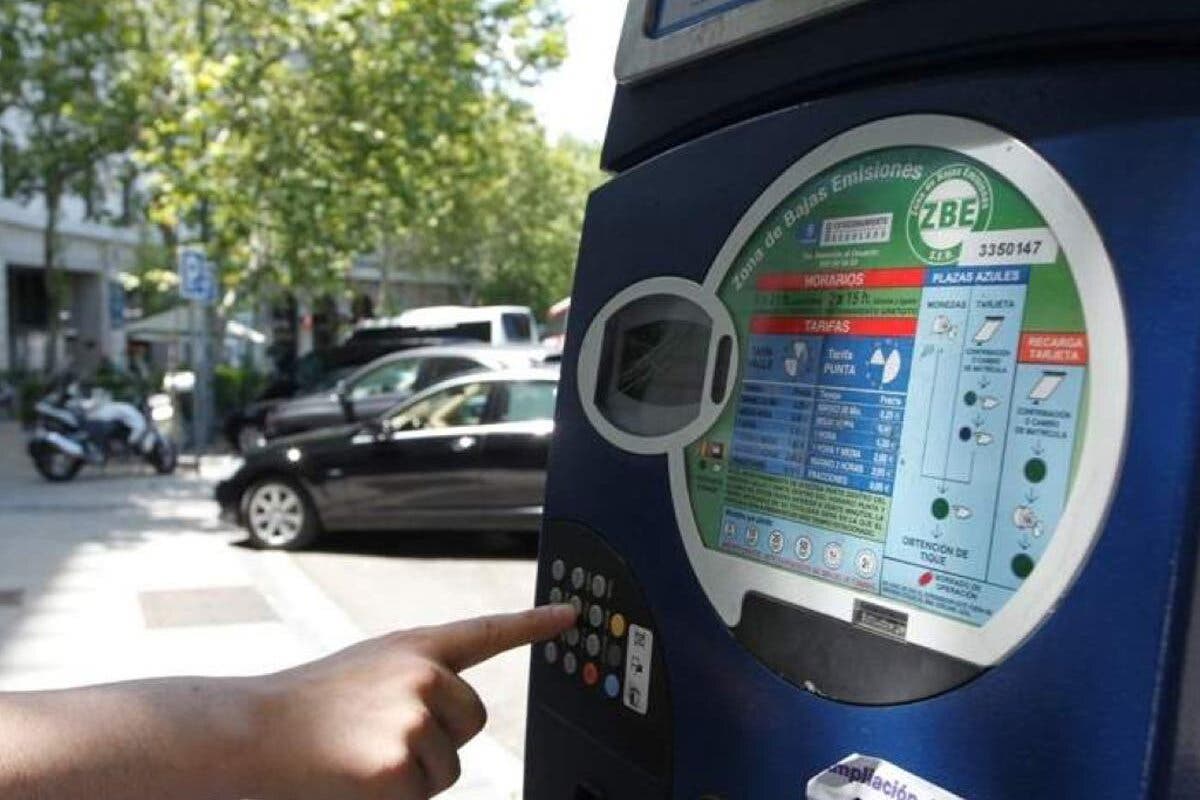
[(875, 455)]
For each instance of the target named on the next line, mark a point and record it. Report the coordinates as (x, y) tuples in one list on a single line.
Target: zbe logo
[(955, 200)]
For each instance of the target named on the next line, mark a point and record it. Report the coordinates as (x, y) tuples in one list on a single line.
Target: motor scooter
[(74, 429)]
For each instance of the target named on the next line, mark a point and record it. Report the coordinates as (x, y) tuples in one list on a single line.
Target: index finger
[(463, 644)]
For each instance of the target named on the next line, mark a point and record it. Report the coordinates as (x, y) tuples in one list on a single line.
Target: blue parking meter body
[(875, 458)]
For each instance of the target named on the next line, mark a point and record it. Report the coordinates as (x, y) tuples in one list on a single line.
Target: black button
[(614, 655)]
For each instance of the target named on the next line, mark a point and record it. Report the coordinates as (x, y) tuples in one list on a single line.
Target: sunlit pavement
[(123, 574)]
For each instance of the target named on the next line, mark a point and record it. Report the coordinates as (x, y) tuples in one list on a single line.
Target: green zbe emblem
[(952, 202)]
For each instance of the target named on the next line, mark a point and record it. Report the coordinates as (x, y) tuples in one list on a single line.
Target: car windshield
[(394, 377), (517, 327), (463, 404), (331, 378)]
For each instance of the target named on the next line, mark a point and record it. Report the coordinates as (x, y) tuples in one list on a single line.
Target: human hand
[(384, 718)]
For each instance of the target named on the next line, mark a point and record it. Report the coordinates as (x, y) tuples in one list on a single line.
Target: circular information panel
[(907, 418)]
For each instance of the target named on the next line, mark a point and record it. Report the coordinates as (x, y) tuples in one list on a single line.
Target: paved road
[(121, 574)]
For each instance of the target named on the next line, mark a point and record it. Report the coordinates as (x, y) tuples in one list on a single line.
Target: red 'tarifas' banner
[(834, 326)]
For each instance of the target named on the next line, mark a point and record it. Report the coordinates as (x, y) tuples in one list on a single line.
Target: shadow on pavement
[(52, 535)]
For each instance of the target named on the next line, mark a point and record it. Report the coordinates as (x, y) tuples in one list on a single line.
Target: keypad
[(591, 654)]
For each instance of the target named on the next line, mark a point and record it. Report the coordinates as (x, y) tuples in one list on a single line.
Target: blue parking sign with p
[(197, 277)]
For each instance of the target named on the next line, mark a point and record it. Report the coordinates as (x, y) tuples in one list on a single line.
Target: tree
[(532, 246), (317, 130), (511, 227), (66, 94)]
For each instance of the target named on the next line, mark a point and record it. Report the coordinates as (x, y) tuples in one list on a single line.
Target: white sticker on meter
[(638, 654), (859, 777), (1008, 248)]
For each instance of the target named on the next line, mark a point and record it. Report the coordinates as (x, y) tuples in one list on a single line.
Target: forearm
[(182, 738), (384, 718)]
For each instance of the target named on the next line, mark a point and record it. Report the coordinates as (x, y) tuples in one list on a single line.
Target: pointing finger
[(464, 644)]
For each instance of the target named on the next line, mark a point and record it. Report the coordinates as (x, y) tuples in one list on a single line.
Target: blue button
[(612, 686)]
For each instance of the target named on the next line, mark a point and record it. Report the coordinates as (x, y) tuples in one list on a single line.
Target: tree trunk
[(383, 306), (52, 277)]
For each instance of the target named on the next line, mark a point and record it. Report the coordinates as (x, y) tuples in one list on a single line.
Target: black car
[(371, 390), (469, 452), (313, 372)]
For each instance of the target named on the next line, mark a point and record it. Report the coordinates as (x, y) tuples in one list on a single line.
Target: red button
[(590, 674)]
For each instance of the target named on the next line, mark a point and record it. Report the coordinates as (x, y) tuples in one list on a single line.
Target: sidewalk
[(125, 575)]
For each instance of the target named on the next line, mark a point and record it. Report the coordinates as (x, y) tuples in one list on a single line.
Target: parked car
[(467, 453), (554, 335), (380, 385), (498, 325), (314, 372)]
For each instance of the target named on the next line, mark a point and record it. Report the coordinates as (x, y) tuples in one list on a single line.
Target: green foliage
[(234, 387), (119, 384), (295, 136), (66, 71), (289, 138), (29, 388), (516, 235), (66, 81)]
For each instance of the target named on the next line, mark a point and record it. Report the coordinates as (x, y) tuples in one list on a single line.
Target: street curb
[(287, 588)]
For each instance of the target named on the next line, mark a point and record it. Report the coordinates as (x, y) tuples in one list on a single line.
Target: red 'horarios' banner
[(889, 278)]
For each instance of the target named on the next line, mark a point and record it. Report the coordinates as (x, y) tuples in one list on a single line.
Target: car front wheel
[(279, 516)]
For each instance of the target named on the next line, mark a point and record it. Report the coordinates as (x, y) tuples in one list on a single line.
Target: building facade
[(92, 257)]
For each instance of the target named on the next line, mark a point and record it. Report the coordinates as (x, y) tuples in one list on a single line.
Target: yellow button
[(617, 625)]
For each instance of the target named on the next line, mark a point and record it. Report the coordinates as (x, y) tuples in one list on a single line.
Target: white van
[(498, 325)]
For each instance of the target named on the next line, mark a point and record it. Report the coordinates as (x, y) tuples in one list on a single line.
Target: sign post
[(198, 285)]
